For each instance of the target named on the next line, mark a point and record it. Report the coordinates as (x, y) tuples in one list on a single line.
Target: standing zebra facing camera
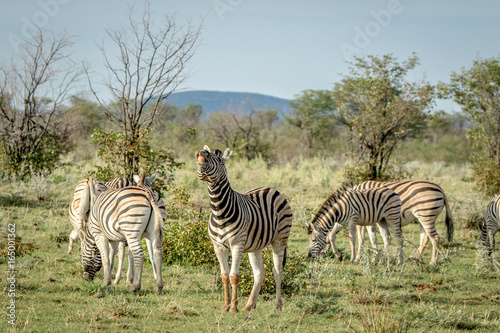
[(490, 225), (352, 208), (126, 214), (244, 222), (421, 200)]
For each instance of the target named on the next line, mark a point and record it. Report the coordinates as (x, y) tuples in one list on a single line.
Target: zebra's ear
[(137, 179), (205, 147), (227, 154), (309, 228), (151, 178)]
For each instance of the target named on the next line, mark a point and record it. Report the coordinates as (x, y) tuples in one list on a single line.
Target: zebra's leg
[(236, 253), (223, 256), (121, 257), (431, 232), (279, 253), (332, 236), (361, 238), (156, 260), (491, 239), (372, 234), (73, 236), (134, 245), (398, 233), (130, 271), (112, 252), (259, 272), (384, 232), (103, 245), (149, 245), (352, 240), (424, 239)]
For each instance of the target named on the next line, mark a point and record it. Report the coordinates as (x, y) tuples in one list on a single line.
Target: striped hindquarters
[(491, 224), (80, 203), (420, 199), (270, 218), (126, 210)]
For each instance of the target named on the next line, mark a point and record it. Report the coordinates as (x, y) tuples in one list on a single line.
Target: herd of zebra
[(109, 216)]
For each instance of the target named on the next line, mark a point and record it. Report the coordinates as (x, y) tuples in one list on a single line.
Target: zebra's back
[(117, 211), (419, 198)]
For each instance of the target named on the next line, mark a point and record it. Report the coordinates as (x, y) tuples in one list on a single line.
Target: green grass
[(457, 295)]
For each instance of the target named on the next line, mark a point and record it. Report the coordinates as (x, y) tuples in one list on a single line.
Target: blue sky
[(281, 48)]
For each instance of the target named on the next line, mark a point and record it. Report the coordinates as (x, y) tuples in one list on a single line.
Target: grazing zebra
[(79, 209), (356, 207), (120, 215), (420, 199), (244, 222), (490, 225)]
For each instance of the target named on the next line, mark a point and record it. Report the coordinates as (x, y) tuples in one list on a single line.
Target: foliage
[(32, 90), (188, 243), (149, 66), (381, 108), (477, 90), (113, 147), (355, 174), (250, 134), (313, 112), (294, 274)]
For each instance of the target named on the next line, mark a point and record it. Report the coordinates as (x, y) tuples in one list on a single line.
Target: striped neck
[(222, 198)]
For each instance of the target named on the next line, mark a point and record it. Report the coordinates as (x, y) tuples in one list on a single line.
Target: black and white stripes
[(356, 207), (491, 224), (244, 222)]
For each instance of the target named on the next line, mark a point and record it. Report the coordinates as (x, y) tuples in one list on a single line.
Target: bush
[(188, 243), (294, 274), (487, 175), (355, 174)]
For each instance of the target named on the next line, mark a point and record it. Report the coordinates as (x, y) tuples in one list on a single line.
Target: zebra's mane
[(330, 202)]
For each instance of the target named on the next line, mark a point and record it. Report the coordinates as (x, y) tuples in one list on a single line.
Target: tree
[(381, 108), (313, 113), (477, 90), (32, 90), (151, 65), (251, 134)]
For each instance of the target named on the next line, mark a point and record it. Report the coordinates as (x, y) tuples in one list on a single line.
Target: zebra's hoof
[(249, 308)]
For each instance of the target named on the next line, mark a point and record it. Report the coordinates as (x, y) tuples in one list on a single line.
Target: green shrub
[(294, 274), (188, 243)]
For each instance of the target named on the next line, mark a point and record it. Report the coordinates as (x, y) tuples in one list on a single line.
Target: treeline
[(374, 118)]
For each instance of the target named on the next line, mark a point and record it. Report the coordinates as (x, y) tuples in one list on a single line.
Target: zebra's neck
[(332, 216), (222, 199)]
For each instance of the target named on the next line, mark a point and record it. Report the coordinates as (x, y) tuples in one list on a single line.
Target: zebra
[(119, 182), (81, 201), (354, 207), (244, 222), (420, 199), (120, 215), (490, 225), (79, 209)]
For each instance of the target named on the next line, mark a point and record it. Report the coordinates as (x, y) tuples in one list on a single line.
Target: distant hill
[(221, 100)]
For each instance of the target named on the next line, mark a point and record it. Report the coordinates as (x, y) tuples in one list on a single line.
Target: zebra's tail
[(483, 239), (448, 221), (85, 204), (158, 221), (284, 258)]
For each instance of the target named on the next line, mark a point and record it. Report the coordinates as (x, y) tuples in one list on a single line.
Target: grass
[(457, 295)]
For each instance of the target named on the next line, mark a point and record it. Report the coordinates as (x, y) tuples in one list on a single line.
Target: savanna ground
[(51, 296)]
